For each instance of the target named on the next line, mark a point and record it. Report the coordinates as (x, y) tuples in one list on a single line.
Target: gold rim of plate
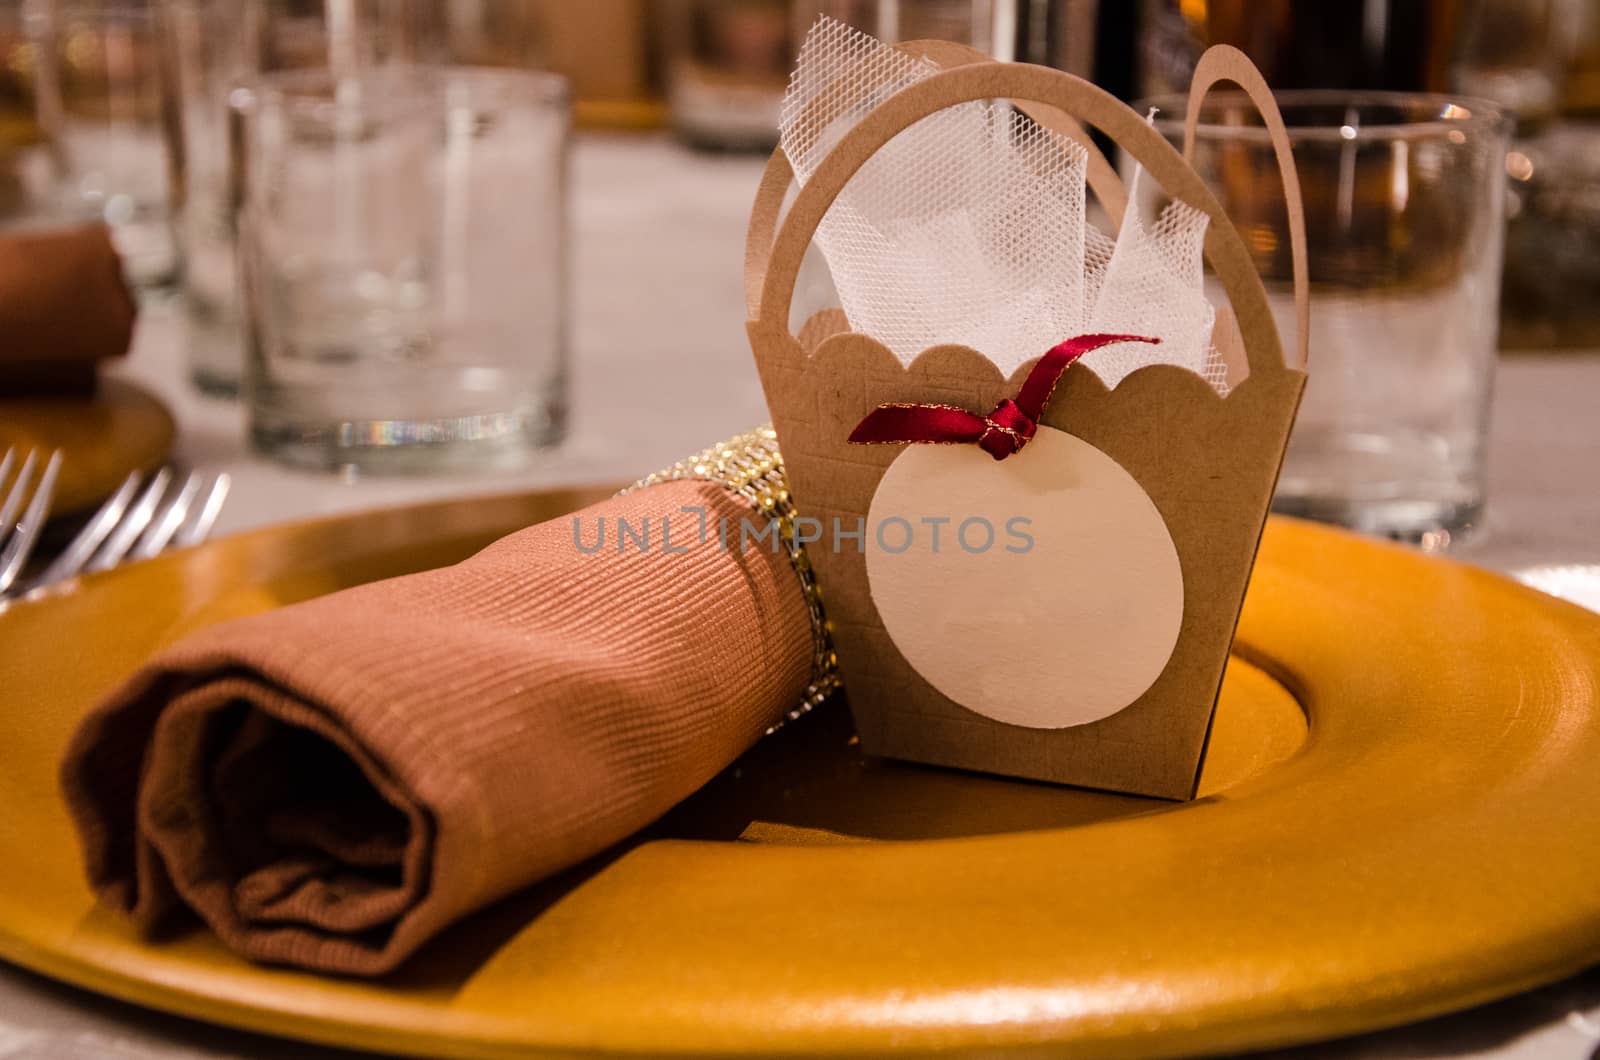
[(1423, 837)]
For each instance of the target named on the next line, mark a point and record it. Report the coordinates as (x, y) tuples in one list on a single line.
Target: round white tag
[(1041, 590)]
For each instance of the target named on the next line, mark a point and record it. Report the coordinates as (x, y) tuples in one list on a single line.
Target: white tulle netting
[(969, 227)]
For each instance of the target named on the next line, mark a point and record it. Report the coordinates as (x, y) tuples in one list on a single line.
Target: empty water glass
[(214, 46), (101, 87), (1405, 219), (404, 264)]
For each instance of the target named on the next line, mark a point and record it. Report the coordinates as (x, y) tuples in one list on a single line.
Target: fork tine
[(132, 524), (166, 524), (6, 462), (94, 532), (199, 527), (21, 544), (19, 490)]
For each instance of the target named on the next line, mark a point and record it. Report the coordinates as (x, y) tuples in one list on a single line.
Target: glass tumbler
[(404, 266), (102, 80), (1405, 220), (212, 46)]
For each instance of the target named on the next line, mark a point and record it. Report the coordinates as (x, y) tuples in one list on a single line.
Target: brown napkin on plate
[(64, 307), (331, 783)]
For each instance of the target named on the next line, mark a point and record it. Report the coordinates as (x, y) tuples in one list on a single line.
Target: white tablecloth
[(660, 370)]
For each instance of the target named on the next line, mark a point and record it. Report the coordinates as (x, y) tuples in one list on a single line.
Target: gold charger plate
[(1432, 842), (122, 428)]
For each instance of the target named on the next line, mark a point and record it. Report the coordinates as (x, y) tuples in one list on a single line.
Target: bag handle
[(773, 262), (1227, 63)]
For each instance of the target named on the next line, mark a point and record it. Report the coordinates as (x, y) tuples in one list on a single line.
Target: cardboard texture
[(1208, 463)]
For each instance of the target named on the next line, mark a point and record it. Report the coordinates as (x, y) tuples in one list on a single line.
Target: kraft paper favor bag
[(1034, 462)]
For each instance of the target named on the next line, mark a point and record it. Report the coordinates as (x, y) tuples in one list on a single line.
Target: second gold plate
[(1431, 841), (121, 429)]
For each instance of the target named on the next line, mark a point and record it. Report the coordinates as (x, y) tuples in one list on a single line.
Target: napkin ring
[(751, 468)]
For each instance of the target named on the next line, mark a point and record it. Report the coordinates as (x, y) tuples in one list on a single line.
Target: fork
[(19, 536), (134, 524)]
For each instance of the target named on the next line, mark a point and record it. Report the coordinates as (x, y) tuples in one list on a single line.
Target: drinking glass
[(404, 265), (215, 46), (1405, 219), (101, 79), (502, 33), (212, 46)]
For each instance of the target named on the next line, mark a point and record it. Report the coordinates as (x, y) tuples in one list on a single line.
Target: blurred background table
[(661, 369)]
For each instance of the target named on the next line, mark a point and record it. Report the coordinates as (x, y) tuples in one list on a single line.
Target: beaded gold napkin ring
[(751, 468)]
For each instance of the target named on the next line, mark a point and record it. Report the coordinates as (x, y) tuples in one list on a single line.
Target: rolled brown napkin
[(64, 307), (330, 784)]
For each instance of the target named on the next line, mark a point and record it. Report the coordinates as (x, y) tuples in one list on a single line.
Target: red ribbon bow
[(1004, 431)]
